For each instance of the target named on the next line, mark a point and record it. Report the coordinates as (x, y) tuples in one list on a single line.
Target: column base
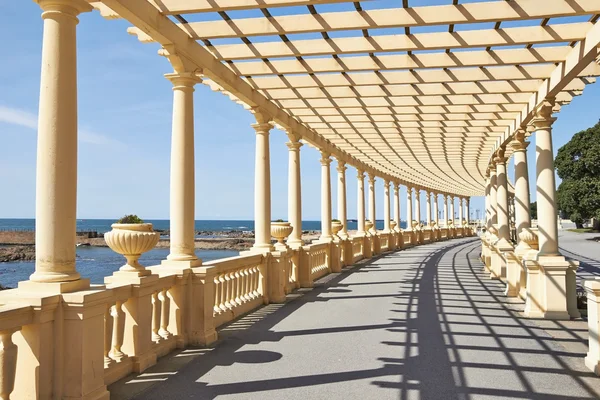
[(593, 363), (54, 287), (180, 264)]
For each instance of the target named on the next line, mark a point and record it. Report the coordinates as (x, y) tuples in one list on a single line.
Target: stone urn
[(392, 225), (528, 239), (433, 225), (415, 225), (131, 241), (336, 226), (368, 225), (280, 231)]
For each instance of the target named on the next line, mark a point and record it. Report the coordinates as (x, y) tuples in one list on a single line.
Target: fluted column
[(341, 199), (397, 206), (386, 206), (502, 196), (360, 203), (326, 235), (372, 212), (418, 205), (428, 209), (545, 184), (522, 216), (436, 214), (56, 173), (182, 194), (409, 206), (262, 185), (493, 196), (294, 190)]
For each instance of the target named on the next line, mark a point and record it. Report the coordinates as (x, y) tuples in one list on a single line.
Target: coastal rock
[(17, 253)]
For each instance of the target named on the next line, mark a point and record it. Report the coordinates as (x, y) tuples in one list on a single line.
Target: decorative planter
[(336, 226), (415, 225), (131, 241), (368, 225), (529, 238), (280, 231), (392, 224)]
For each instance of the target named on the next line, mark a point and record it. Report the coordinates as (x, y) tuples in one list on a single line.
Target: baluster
[(8, 363), (255, 281), (155, 317), (245, 285), (234, 288), (108, 333), (164, 314), (223, 293), (238, 287), (118, 331), (218, 290), (228, 291)]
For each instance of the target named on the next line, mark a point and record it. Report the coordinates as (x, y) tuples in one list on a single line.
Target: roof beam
[(529, 35), (525, 73), (552, 54), (173, 7), (392, 18)]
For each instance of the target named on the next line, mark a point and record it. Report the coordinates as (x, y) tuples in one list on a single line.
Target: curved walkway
[(423, 323)]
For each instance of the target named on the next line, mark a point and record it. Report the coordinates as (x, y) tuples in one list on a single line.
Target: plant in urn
[(280, 230), (131, 237)]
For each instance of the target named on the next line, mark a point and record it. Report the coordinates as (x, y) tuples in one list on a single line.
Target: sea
[(97, 262)]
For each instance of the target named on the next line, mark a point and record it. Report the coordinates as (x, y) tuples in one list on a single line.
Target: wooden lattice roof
[(422, 95)]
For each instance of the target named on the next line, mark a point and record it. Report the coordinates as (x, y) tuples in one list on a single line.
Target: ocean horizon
[(218, 225)]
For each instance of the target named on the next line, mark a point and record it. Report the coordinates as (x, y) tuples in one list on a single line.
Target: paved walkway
[(423, 323)]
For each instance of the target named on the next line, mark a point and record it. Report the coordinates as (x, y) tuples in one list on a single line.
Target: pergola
[(421, 95), (436, 98)]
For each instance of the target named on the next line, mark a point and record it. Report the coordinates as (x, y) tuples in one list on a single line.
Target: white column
[(522, 216), (360, 203), (493, 195), (56, 173), (386, 206), (451, 198), (262, 186), (488, 213), (468, 209), (397, 206), (546, 185), (428, 209), (418, 205), (502, 196), (341, 199), (326, 235), (409, 217), (445, 198), (460, 211), (436, 214), (182, 201), (294, 190), (372, 213)]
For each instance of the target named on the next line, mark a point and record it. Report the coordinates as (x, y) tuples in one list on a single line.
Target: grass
[(584, 230)]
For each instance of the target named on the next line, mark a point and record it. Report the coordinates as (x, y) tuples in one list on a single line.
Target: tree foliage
[(533, 210), (578, 165)]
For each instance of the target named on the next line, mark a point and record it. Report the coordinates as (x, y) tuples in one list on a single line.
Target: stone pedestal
[(592, 359), (499, 250), (277, 265)]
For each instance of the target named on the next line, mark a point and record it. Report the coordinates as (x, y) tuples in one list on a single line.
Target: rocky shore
[(23, 249)]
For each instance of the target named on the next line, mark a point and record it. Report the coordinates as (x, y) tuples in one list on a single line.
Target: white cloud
[(15, 116)]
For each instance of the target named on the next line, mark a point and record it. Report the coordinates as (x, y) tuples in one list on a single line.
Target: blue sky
[(125, 107)]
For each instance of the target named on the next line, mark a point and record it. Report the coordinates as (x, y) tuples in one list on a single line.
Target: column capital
[(371, 178), (182, 80), (262, 128), (293, 136), (261, 117), (499, 158), (360, 174), (69, 7), (386, 183), (519, 145), (325, 158), (294, 146), (397, 185), (341, 167), (543, 115), (181, 64)]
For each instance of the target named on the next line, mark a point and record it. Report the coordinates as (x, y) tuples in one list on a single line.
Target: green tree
[(533, 210), (578, 165)]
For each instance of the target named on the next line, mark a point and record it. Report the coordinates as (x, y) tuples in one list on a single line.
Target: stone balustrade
[(136, 321)]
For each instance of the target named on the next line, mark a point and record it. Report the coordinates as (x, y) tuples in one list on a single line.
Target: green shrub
[(130, 219)]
